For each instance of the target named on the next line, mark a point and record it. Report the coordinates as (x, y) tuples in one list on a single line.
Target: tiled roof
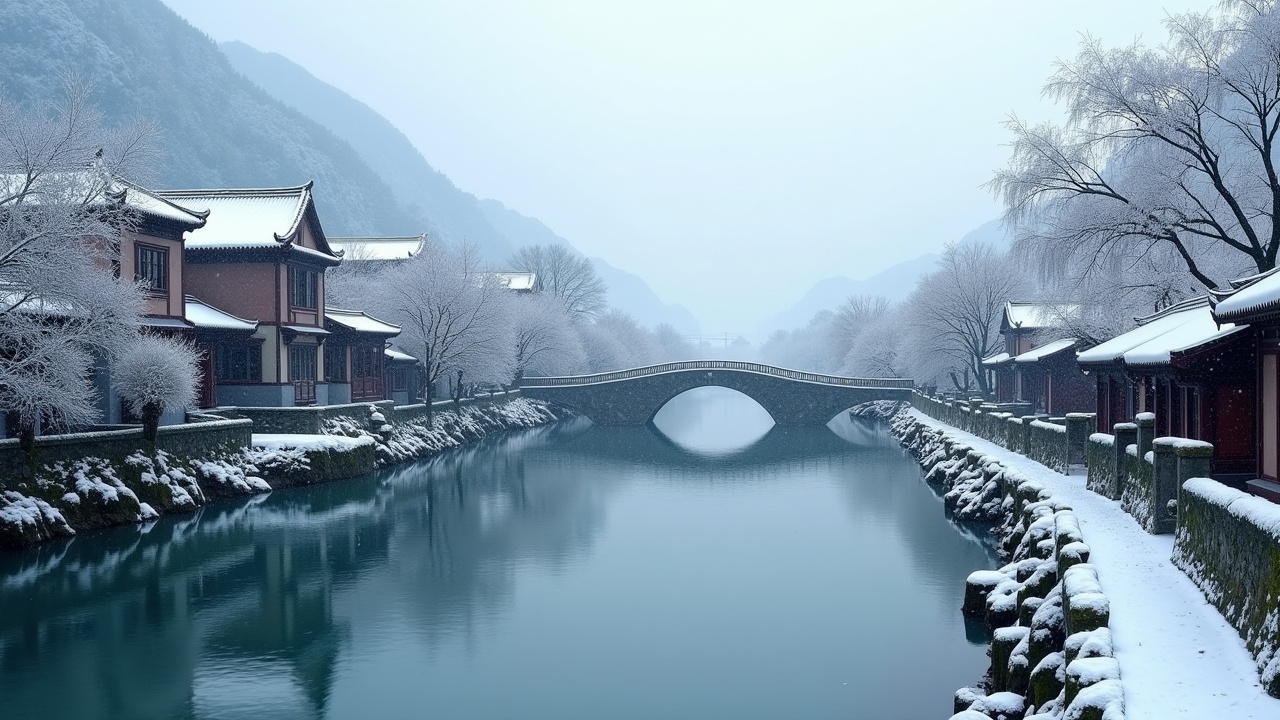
[(1178, 328), (1257, 295), (204, 315), (377, 248), (1036, 316), (516, 280), (358, 321), (246, 218), (1046, 350), (999, 358)]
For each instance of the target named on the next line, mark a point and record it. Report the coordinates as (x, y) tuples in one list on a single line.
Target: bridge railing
[(569, 380)]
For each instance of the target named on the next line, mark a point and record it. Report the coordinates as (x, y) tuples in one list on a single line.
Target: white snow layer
[(281, 441), (1178, 656)]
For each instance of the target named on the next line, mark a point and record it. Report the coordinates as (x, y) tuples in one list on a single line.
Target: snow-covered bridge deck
[(792, 397)]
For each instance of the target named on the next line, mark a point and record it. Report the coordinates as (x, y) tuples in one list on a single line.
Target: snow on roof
[(517, 281), (204, 315), (164, 322), (997, 359), (1199, 329), (1149, 338), (378, 248), (1046, 350), (358, 321), (1036, 316), (243, 219), (109, 190), (149, 203), (1257, 294), (394, 354)]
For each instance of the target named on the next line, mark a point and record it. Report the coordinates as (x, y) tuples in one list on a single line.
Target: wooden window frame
[(304, 288), (162, 253)]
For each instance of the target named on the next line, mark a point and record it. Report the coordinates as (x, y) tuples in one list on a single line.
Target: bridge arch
[(791, 397)]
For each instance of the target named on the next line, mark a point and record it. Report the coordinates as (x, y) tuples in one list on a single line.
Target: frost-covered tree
[(60, 302), (546, 341), (154, 375), (671, 345), (564, 274), (956, 311), (1162, 181), (615, 341), (453, 317)]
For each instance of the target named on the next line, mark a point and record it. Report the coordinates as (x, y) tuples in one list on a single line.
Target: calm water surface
[(715, 569)]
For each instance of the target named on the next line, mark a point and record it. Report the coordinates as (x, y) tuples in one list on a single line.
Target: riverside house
[(1033, 371), (1194, 374), (261, 256), (1256, 301)]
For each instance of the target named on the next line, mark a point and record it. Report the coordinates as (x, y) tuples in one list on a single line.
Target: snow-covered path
[(1178, 657)]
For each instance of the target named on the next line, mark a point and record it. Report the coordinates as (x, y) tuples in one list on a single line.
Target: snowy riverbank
[(62, 498), (1177, 656)]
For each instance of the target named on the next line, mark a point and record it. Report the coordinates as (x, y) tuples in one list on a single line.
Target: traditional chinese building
[(1256, 301), (1195, 374), (261, 256), (1033, 370)]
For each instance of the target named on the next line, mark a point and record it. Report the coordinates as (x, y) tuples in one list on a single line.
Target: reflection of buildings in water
[(246, 595), (470, 522)]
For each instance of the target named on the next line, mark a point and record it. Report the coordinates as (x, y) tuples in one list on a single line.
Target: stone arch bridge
[(791, 397)]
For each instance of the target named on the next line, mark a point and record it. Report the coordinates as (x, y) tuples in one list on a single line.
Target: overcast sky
[(732, 153)]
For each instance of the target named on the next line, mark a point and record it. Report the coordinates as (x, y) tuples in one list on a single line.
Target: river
[(714, 568)]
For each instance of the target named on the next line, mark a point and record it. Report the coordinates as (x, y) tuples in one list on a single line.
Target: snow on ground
[(1178, 657), (280, 441)]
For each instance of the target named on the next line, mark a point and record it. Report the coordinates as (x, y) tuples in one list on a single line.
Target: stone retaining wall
[(1228, 543), (1051, 653)]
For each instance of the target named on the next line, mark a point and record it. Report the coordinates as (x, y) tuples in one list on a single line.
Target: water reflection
[(712, 421), (561, 572)]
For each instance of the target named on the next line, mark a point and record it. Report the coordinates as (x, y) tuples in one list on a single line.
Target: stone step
[(1264, 489)]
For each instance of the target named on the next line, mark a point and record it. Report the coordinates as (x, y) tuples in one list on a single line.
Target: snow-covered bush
[(154, 374)]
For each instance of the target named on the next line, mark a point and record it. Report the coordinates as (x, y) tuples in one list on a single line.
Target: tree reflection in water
[(262, 608)]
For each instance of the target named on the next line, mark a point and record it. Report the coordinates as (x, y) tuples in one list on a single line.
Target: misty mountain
[(627, 292), (894, 283), (451, 214), (217, 128)]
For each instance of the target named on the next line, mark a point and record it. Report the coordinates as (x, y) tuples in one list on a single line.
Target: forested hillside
[(452, 214), (216, 127)]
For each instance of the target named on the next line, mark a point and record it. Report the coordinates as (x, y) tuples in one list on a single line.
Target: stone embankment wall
[(1226, 541), (86, 481), (1051, 650)]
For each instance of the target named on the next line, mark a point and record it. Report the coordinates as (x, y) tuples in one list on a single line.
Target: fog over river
[(712, 566)]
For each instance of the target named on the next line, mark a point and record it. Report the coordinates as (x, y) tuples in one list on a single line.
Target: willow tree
[(1161, 182)]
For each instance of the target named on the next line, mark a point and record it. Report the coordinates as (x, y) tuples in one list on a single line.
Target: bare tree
[(956, 310), (453, 317), (563, 274), (60, 212), (156, 374), (1163, 179)]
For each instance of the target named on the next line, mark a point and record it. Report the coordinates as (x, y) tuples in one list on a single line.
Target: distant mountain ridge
[(218, 129), (454, 214), (895, 282)]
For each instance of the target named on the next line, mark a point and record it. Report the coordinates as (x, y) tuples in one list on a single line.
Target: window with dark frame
[(303, 287), (152, 267), (302, 363), (238, 363), (335, 363)]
